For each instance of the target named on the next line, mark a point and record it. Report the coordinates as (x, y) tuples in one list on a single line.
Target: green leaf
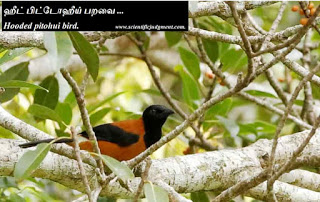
[(6, 182), (106, 199), (173, 38), (246, 129), (221, 108), (11, 54), (2, 51), (118, 168), (20, 84), (17, 72), (59, 47), (190, 61), (86, 52), (44, 112), (64, 111), (61, 133), (212, 49), (48, 99), (199, 197), (98, 116), (190, 90), (263, 127), (299, 102), (15, 197), (105, 101), (71, 99), (260, 93), (155, 193), (233, 59), (4, 133), (30, 161), (231, 126)]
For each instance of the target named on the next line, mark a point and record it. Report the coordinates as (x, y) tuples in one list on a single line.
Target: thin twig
[(165, 93), (144, 178), (307, 109), (205, 58), (274, 109), (173, 195), (275, 85), (306, 11), (255, 25), (274, 25), (195, 115), (84, 82), (282, 122), (260, 102), (191, 46), (295, 154), (241, 187), (80, 164), (297, 37), (84, 114), (244, 37)]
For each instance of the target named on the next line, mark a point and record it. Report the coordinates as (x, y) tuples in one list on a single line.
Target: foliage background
[(124, 88)]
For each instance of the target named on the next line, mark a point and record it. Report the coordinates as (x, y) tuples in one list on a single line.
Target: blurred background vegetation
[(124, 88)]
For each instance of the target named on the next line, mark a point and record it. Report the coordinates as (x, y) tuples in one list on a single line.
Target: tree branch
[(184, 173), (84, 114)]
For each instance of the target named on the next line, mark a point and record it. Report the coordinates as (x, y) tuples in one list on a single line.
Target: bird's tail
[(35, 143)]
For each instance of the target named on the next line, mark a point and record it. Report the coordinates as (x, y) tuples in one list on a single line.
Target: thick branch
[(31, 133), (222, 10), (204, 171), (12, 40)]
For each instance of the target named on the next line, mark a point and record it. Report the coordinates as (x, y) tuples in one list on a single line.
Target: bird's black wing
[(114, 134)]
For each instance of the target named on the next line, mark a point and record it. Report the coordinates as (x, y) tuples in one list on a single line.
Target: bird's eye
[(153, 111)]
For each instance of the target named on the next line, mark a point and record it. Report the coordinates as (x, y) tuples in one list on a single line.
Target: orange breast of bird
[(121, 153)]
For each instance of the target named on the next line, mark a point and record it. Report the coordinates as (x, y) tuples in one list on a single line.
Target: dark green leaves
[(190, 91), (86, 52), (258, 128), (44, 112), (234, 59), (173, 37), (59, 47), (155, 193), (64, 111), (260, 93), (30, 161), (199, 197), (191, 62), (17, 72), (221, 108), (212, 49), (45, 103), (48, 99)]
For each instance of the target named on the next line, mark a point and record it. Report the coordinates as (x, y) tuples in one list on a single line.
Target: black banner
[(94, 15)]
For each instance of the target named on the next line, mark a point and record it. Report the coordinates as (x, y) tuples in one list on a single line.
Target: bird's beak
[(169, 112)]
